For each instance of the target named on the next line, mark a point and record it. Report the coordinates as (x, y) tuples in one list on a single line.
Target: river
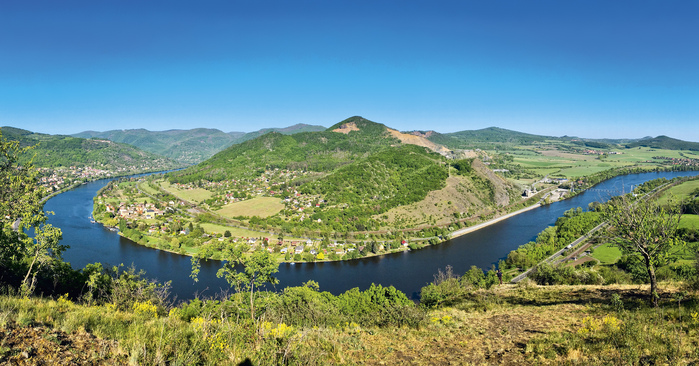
[(407, 271)]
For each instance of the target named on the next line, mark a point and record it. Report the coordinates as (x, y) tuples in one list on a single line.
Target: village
[(165, 224)]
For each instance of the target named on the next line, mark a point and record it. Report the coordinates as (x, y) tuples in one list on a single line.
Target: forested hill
[(664, 142), (484, 138), (52, 151), (188, 146), (341, 144)]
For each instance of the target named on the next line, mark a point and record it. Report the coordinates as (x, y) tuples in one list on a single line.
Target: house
[(314, 252), (284, 250), (299, 249)]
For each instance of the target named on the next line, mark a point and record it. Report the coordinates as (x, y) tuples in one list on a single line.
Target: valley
[(358, 189)]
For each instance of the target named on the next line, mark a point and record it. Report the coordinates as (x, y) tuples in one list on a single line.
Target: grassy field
[(689, 222), (568, 164), (258, 206), (679, 191), (145, 187), (607, 254), (191, 195)]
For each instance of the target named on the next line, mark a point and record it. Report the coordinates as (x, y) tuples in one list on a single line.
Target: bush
[(545, 274)]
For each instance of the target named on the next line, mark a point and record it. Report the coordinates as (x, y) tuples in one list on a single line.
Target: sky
[(594, 69)]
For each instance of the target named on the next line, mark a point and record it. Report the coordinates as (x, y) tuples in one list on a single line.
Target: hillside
[(484, 138), (52, 151), (664, 142), (315, 151), (355, 176), (188, 146)]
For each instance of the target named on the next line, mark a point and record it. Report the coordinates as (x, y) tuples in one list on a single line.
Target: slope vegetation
[(188, 146), (53, 151)]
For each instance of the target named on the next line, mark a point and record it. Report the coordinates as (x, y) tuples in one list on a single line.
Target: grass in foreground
[(510, 324)]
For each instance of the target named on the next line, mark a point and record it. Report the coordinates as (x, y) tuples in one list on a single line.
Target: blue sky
[(579, 68)]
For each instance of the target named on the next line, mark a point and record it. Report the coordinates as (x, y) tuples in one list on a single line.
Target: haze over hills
[(188, 146), (51, 151)]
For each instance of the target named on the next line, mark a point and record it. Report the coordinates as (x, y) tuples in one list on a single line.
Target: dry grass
[(507, 325)]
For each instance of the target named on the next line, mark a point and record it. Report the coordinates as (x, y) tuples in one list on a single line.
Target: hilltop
[(188, 146), (54, 151), (664, 142), (347, 177)]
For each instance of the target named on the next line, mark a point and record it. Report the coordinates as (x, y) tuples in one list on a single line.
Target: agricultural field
[(259, 206), (145, 187), (553, 161), (191, 195), (679, 191), (607, 253)]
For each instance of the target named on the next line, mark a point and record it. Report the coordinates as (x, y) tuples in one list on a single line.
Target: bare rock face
[(502, 197), (347, 128)]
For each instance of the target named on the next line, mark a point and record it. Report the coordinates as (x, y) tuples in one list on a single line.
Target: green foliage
[(188, 146), (448, 289), (646, 231), (664, 142), (53, 151), (258, 269), (21, 211), (545, 274), (311, 151), (573, 224), (487, 138)]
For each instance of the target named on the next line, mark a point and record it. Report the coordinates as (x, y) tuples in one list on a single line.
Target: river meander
[(407, 271)]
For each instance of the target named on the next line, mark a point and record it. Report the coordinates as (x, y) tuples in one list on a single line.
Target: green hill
[(314, 151), (188, 146), (664, 142), (52, 151), (485, 138), (349, 174)]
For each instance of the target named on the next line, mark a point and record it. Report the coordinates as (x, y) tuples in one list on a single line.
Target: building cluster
[(600, 152), (57, 179), (134, 211), (679, 161)]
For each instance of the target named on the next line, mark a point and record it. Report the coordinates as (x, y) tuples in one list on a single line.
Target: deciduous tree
[(21, 209), (647, 231)]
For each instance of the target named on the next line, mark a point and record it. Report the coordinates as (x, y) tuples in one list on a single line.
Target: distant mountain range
[(52, 151), (188, 146)]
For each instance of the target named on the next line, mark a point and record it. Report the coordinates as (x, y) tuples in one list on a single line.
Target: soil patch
[(39, 345)]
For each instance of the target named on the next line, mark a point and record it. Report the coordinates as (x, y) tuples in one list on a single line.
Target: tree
[(21, 209), (259, 268), (647, 231)]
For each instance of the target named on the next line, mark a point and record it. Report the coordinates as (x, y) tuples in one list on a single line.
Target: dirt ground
[(40, 345)]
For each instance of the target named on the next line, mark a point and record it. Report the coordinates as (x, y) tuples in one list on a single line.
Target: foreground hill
[(188, 146), (53, 151), (506, 325)]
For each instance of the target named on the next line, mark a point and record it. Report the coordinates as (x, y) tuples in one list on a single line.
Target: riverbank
[(482, 225)]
